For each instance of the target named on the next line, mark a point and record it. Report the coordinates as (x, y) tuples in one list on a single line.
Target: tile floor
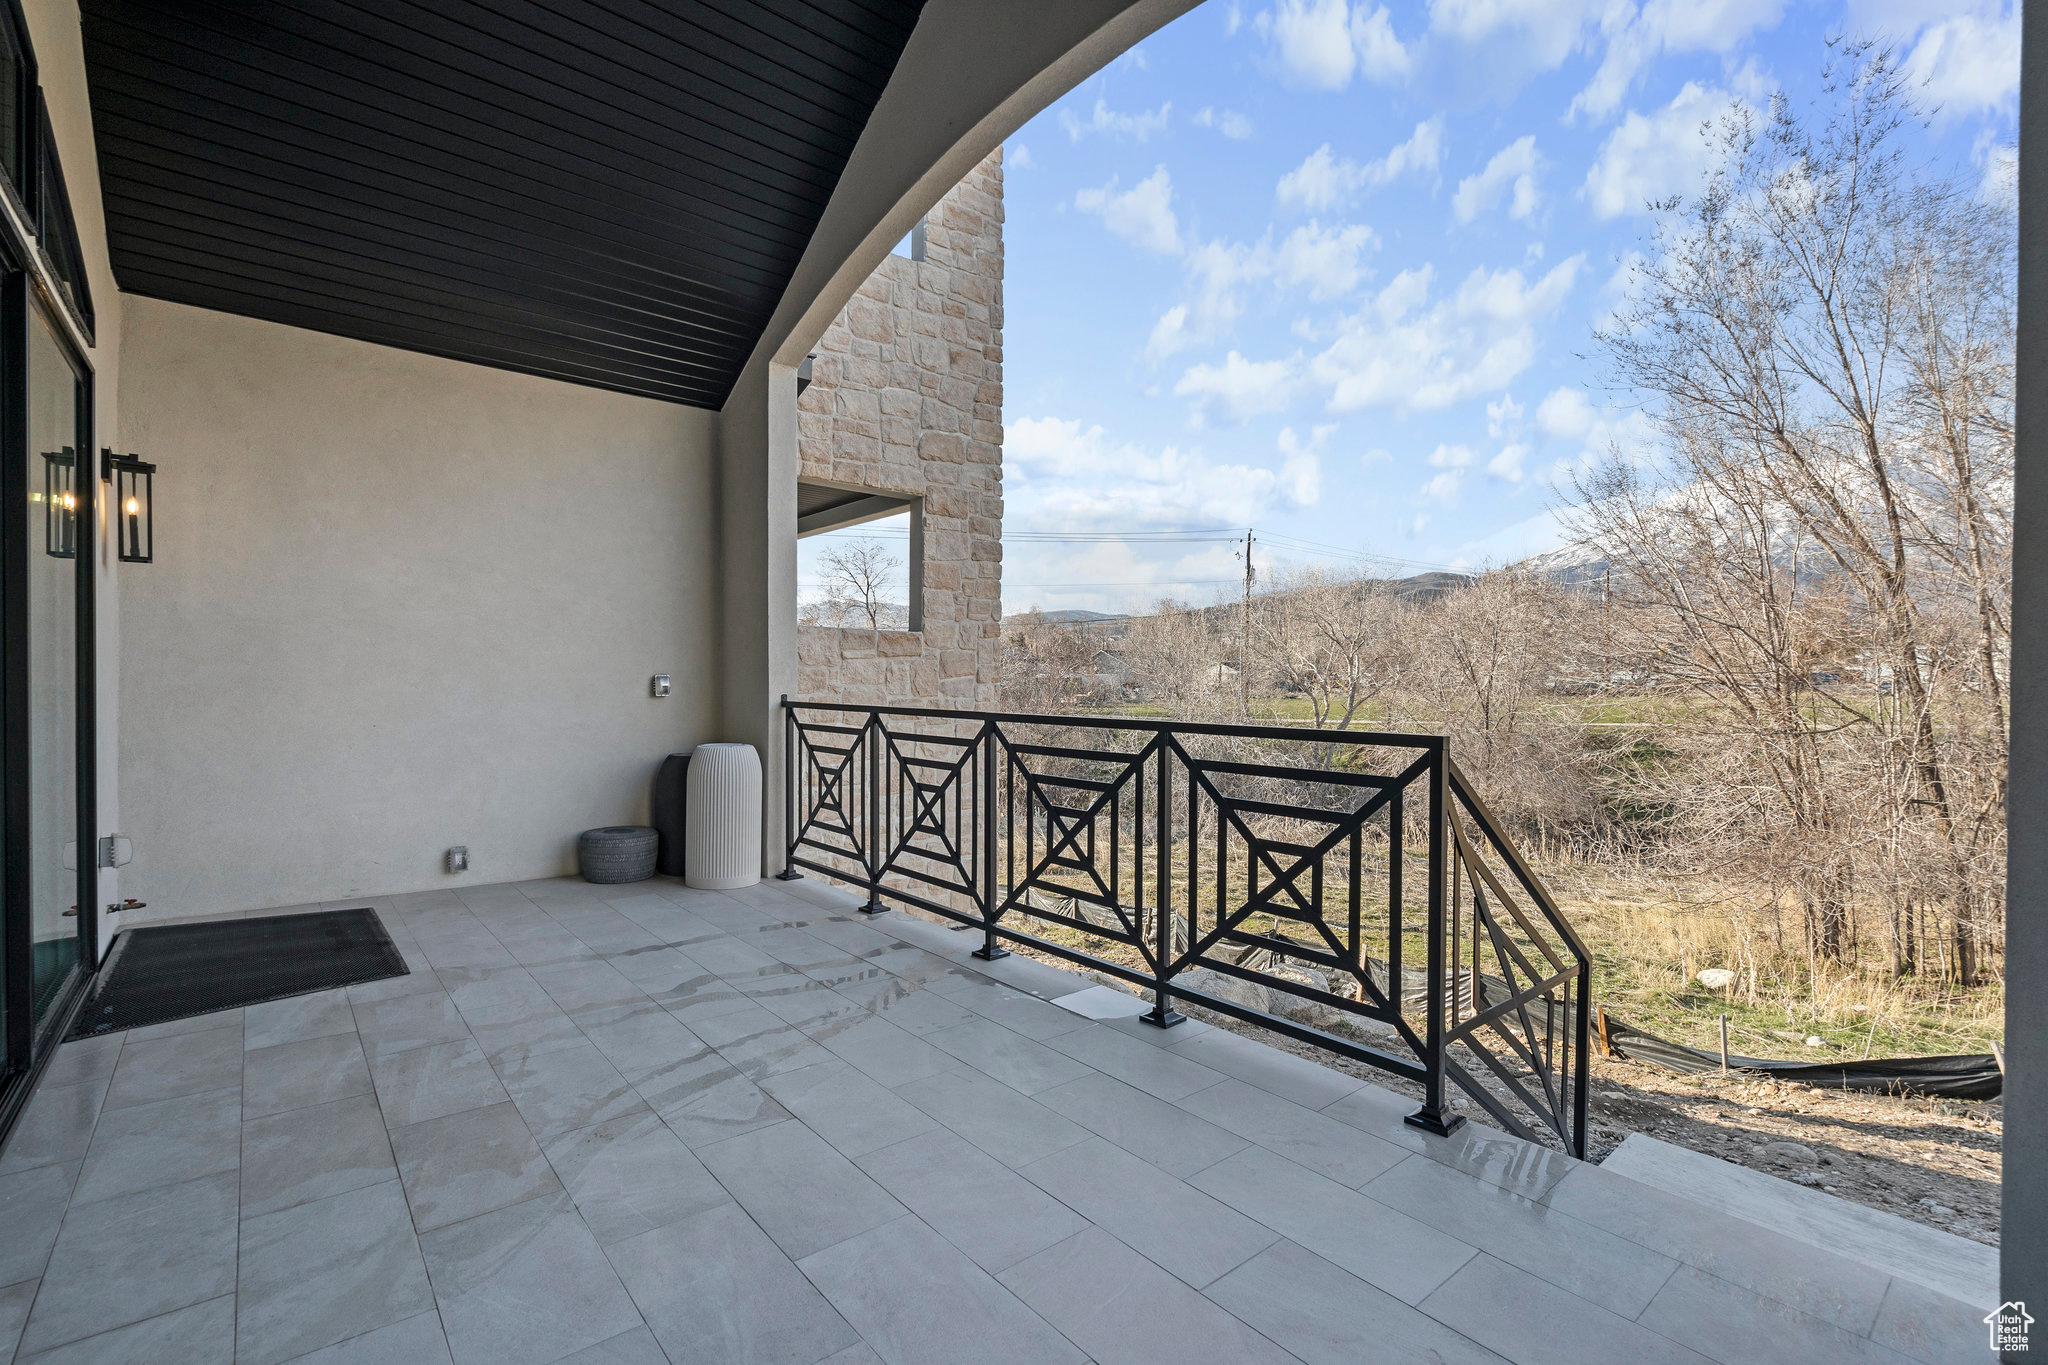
[(652, 1124)]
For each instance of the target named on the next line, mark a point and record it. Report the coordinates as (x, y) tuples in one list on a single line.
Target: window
[(859, 559)]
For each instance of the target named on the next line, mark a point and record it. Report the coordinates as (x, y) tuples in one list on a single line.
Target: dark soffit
[(613, 193)]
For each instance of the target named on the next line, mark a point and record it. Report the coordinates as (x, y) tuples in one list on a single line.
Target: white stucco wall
[(399, 603)]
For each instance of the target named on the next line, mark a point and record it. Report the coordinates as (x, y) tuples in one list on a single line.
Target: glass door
[(54, 495)]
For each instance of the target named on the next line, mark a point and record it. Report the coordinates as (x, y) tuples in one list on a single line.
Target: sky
[(1330, 271)]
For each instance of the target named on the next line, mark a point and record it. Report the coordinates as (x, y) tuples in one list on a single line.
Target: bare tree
[(858, 575)]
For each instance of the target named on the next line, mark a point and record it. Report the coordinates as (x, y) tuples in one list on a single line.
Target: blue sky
[(1330, 270)]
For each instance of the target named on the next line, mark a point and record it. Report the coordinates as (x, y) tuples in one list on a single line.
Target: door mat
[(176, 971)]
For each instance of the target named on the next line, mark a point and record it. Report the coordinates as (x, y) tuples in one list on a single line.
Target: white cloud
[(1322, 263), (1513, 171), (2001, 183), (1443, 487), (1239, 388), (1669, 26), (1403, 352), (1450, 457), (1648, 157), (1544, 32), (1503, 416), (1138, 127), (1325, 180), (1233, 125), (1964, 55), (1142, 215), (1507, 465), (1322, 43), (1063, 475), (1018, 158), (1570, 419)]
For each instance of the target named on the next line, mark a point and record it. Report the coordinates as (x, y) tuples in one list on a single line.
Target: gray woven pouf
[(616, 853)]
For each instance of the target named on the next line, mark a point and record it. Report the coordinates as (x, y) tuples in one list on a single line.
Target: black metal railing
[(1346, 889)]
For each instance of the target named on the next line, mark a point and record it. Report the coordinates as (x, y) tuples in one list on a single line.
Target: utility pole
[(1244, 647)]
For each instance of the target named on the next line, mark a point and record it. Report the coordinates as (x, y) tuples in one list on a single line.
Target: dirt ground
[(1933, 1161)]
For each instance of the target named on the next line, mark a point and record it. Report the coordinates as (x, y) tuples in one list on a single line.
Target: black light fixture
[(60, 503), (134, 481)]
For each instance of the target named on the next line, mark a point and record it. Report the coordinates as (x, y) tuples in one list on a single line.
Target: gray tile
[(416, 1340), (1284, 1074), (1303, 1136), (124, 1260), (1382, 1113), (32, 1204), (162, 1143), (427, 1082), (640, 1040), (525, 1285), (891, 1055), (297, 1018), (444, 949), (1169, 1137), (1737, 1327), (768, 1046), (324, 1271), (705, 1099), (312, 1153), (1011, 1058), (88, 1059), (500, 997), (1182, 1229), (803, 1193), (461, 1165), (182, 1064), (908, 1008), (1536, 1323), (567, 1087), (1498, 1159), (391, 987), (14, 1305), (1013, 1009), (1154, 1070), (715, 1289), (401, 1022), (632, 1175), (201, 1334), (1010, 1127), (848, 1109), (1379, 1245), (1116, 1305), (1617, 1274), (296, 1075), (1844, 1292), (56, 1127), (196, 1023), (1932, 1327), (972, 1200), (918, 1301), (810, 1005), (543, 1033), (656, 971), (637, 1347), (1325, 1315)]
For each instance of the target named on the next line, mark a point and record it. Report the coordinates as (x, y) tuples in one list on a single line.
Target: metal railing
[(1346, 889)]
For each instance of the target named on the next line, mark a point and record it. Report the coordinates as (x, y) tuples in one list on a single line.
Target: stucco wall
[(399, 603), (907, 397)]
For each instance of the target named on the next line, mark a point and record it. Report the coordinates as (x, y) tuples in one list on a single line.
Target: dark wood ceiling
[(612, 192)]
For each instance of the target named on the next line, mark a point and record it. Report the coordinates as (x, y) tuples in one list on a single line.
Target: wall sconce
[(134, 481), (60, 503)]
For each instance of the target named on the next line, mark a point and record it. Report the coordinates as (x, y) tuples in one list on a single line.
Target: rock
[(1937, 1208), (1716, 978), (1789, 1153), (1815, 1040), (1807, 1178)]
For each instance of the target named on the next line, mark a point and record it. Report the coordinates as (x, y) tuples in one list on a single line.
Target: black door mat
[(175, 971)]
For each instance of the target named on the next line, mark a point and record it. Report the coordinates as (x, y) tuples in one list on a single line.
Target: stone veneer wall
[(906, 397)]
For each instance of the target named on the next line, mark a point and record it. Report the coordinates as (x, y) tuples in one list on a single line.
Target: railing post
[(1163, 1013), (874, 904), (1430, 1118), (789, 802), (989, 950)]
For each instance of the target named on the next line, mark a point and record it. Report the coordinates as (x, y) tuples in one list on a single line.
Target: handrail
[(1283, 893)]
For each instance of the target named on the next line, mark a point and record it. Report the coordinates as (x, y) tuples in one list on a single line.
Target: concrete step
[(1941, 1261)]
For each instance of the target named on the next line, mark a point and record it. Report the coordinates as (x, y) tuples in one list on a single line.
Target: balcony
[(648, 1123)]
